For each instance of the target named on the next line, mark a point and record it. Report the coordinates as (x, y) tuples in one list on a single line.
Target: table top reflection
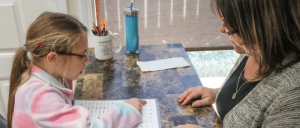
[(121, 78)]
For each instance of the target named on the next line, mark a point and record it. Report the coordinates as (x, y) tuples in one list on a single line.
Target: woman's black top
[(225, 102)]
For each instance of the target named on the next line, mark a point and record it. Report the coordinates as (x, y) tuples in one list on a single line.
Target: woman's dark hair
[(269, 29)]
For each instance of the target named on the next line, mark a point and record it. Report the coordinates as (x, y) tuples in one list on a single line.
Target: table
[(121, 78)]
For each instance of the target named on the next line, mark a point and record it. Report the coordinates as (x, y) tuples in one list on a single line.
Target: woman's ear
[(52, 58)]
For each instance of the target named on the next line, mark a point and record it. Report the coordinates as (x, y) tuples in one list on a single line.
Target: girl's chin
[(73, 77)]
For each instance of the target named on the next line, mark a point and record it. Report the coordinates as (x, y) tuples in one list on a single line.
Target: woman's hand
[(137, 103), (188, 126), (208, 96)]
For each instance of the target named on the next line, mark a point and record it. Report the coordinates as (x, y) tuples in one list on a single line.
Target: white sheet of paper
[(162, 64), (150, 115)]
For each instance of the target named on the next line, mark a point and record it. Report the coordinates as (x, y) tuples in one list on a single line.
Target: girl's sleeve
[(49, 109), (123, 115)]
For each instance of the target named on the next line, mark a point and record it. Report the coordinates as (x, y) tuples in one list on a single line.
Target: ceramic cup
[(104, 46)]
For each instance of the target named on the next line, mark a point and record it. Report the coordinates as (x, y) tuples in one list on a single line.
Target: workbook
[(150, 111)]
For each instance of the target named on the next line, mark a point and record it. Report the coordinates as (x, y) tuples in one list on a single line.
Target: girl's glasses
[(71, 54)]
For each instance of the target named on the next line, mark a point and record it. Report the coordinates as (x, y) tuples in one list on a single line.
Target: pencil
[(102, 27), (95, 29), (105, 25), (99, 31), (97, 12)]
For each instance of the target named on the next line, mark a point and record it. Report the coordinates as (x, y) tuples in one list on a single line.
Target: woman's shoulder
[(276, 94), (278, 84), (287, 78)]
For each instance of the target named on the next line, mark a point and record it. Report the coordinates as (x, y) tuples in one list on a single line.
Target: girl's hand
[(188, 126), (208, 96), (137, 103)]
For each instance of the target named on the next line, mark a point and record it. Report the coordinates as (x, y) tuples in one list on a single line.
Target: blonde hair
[(59, 32), (269, 30)]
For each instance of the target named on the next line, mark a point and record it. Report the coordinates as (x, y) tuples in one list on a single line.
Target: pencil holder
[(132, 31), (104, 46)]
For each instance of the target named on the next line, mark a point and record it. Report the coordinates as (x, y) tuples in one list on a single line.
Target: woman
[(263, 87)]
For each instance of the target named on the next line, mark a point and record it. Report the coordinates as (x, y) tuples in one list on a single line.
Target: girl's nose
[(86, 59), (223, 29)]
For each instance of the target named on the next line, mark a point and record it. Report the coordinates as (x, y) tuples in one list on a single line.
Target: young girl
[(39, 96)]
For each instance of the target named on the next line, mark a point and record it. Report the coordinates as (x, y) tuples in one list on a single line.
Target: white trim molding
[(83, 11), (87, 13), (4, 89), (61, 6)]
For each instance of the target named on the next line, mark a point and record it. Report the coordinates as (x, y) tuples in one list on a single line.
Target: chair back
[(3, 122)]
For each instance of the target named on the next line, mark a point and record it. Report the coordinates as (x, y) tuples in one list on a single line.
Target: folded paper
[(162, 64)]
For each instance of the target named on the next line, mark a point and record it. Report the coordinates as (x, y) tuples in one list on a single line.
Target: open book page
[(150, 112)]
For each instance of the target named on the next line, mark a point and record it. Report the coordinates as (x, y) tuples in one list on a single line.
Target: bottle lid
[(129, 12)]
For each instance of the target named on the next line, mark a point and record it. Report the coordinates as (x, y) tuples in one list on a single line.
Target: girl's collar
[(37, 71)]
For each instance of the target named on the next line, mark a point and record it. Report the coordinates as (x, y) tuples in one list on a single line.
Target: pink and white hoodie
[(44, 102)]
